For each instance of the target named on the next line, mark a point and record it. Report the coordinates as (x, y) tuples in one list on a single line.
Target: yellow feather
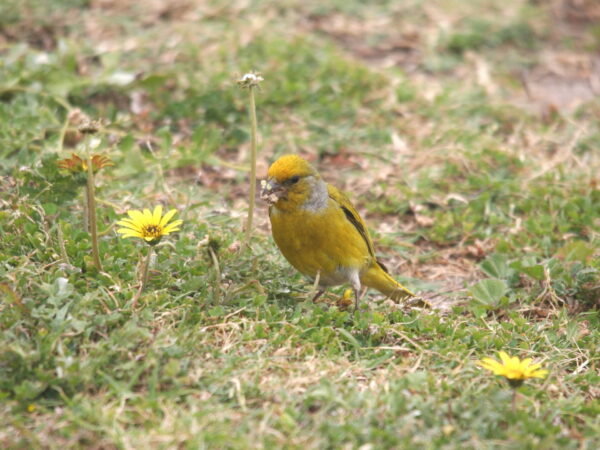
[(330, 238), (377, 278)]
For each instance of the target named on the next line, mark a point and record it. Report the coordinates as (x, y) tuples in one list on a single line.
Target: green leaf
[(536, 271), (575, 251), (489, 291), (29, 389), (153, 81), (496, 266), (50, 208), (347, 336), (525, 266)]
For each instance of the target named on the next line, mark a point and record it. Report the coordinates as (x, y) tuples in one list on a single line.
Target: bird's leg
[(355, 281), (356, 296), (316, 288), (317, 295), (360, 293)]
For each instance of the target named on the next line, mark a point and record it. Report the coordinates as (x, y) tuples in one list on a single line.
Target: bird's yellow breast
[(324, 241)]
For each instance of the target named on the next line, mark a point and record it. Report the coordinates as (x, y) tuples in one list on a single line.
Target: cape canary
[(320, 233)]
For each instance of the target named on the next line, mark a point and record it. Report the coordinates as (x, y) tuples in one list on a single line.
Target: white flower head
[(95, 143), (250, 80)]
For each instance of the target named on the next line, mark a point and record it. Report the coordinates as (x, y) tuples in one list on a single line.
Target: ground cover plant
[(466, 133)]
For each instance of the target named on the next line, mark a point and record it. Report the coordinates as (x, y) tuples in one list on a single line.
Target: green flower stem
[(91, 203), (253, 151), (144, 282), (61, 244), (217, 280), (86, 214), (146, 269)]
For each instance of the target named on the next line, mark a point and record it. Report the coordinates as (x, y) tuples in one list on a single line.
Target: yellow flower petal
[(167, 217), (513, 368), (535, 367), (491, 364), (147, 225), (128, 233), (172, 227), (156, 215), (128, 223), (504, 357), (135, 215)]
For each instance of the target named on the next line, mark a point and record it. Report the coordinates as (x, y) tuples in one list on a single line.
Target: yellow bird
[(320, 233)]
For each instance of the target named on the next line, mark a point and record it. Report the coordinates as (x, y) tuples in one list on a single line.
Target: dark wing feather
[(380, 264), (352, 215)]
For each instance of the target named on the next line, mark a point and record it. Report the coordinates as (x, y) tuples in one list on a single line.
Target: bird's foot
[(345, 301), (418, 302), (317, 295)]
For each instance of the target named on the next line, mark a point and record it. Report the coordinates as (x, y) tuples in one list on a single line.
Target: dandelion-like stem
[(91, 206), (61, 244), (217, 286), (144, 282), (146, 269), (253, 151), (514, 400), (86, 214)]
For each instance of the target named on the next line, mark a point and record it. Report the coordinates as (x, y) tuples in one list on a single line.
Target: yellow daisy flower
[(513, 369), (76, 164), (150, 226)]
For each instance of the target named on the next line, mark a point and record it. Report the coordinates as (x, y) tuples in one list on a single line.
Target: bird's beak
[(271, 191)]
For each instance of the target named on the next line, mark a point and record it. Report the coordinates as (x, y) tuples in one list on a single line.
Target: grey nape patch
[(318, 195)]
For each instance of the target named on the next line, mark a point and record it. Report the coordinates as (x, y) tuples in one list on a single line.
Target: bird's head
[(289, 182)]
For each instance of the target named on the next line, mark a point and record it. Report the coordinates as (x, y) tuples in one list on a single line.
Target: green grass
[(478, 199)]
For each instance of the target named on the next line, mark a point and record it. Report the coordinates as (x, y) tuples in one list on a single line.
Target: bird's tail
[(378, 278)]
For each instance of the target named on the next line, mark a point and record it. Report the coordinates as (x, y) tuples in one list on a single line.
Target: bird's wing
[(352, 215)]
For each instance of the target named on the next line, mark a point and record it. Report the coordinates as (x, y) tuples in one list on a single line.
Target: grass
[(480, 197)]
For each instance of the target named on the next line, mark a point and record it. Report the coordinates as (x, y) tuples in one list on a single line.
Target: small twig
[(560, 157), (236, 312), (111, 295), (255, 283), (107, 203), (106, 230), (239, 395), (414, 368), (549, 290), (409, 340)]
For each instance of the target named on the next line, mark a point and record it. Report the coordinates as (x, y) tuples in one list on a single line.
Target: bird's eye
[(294, 179)]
